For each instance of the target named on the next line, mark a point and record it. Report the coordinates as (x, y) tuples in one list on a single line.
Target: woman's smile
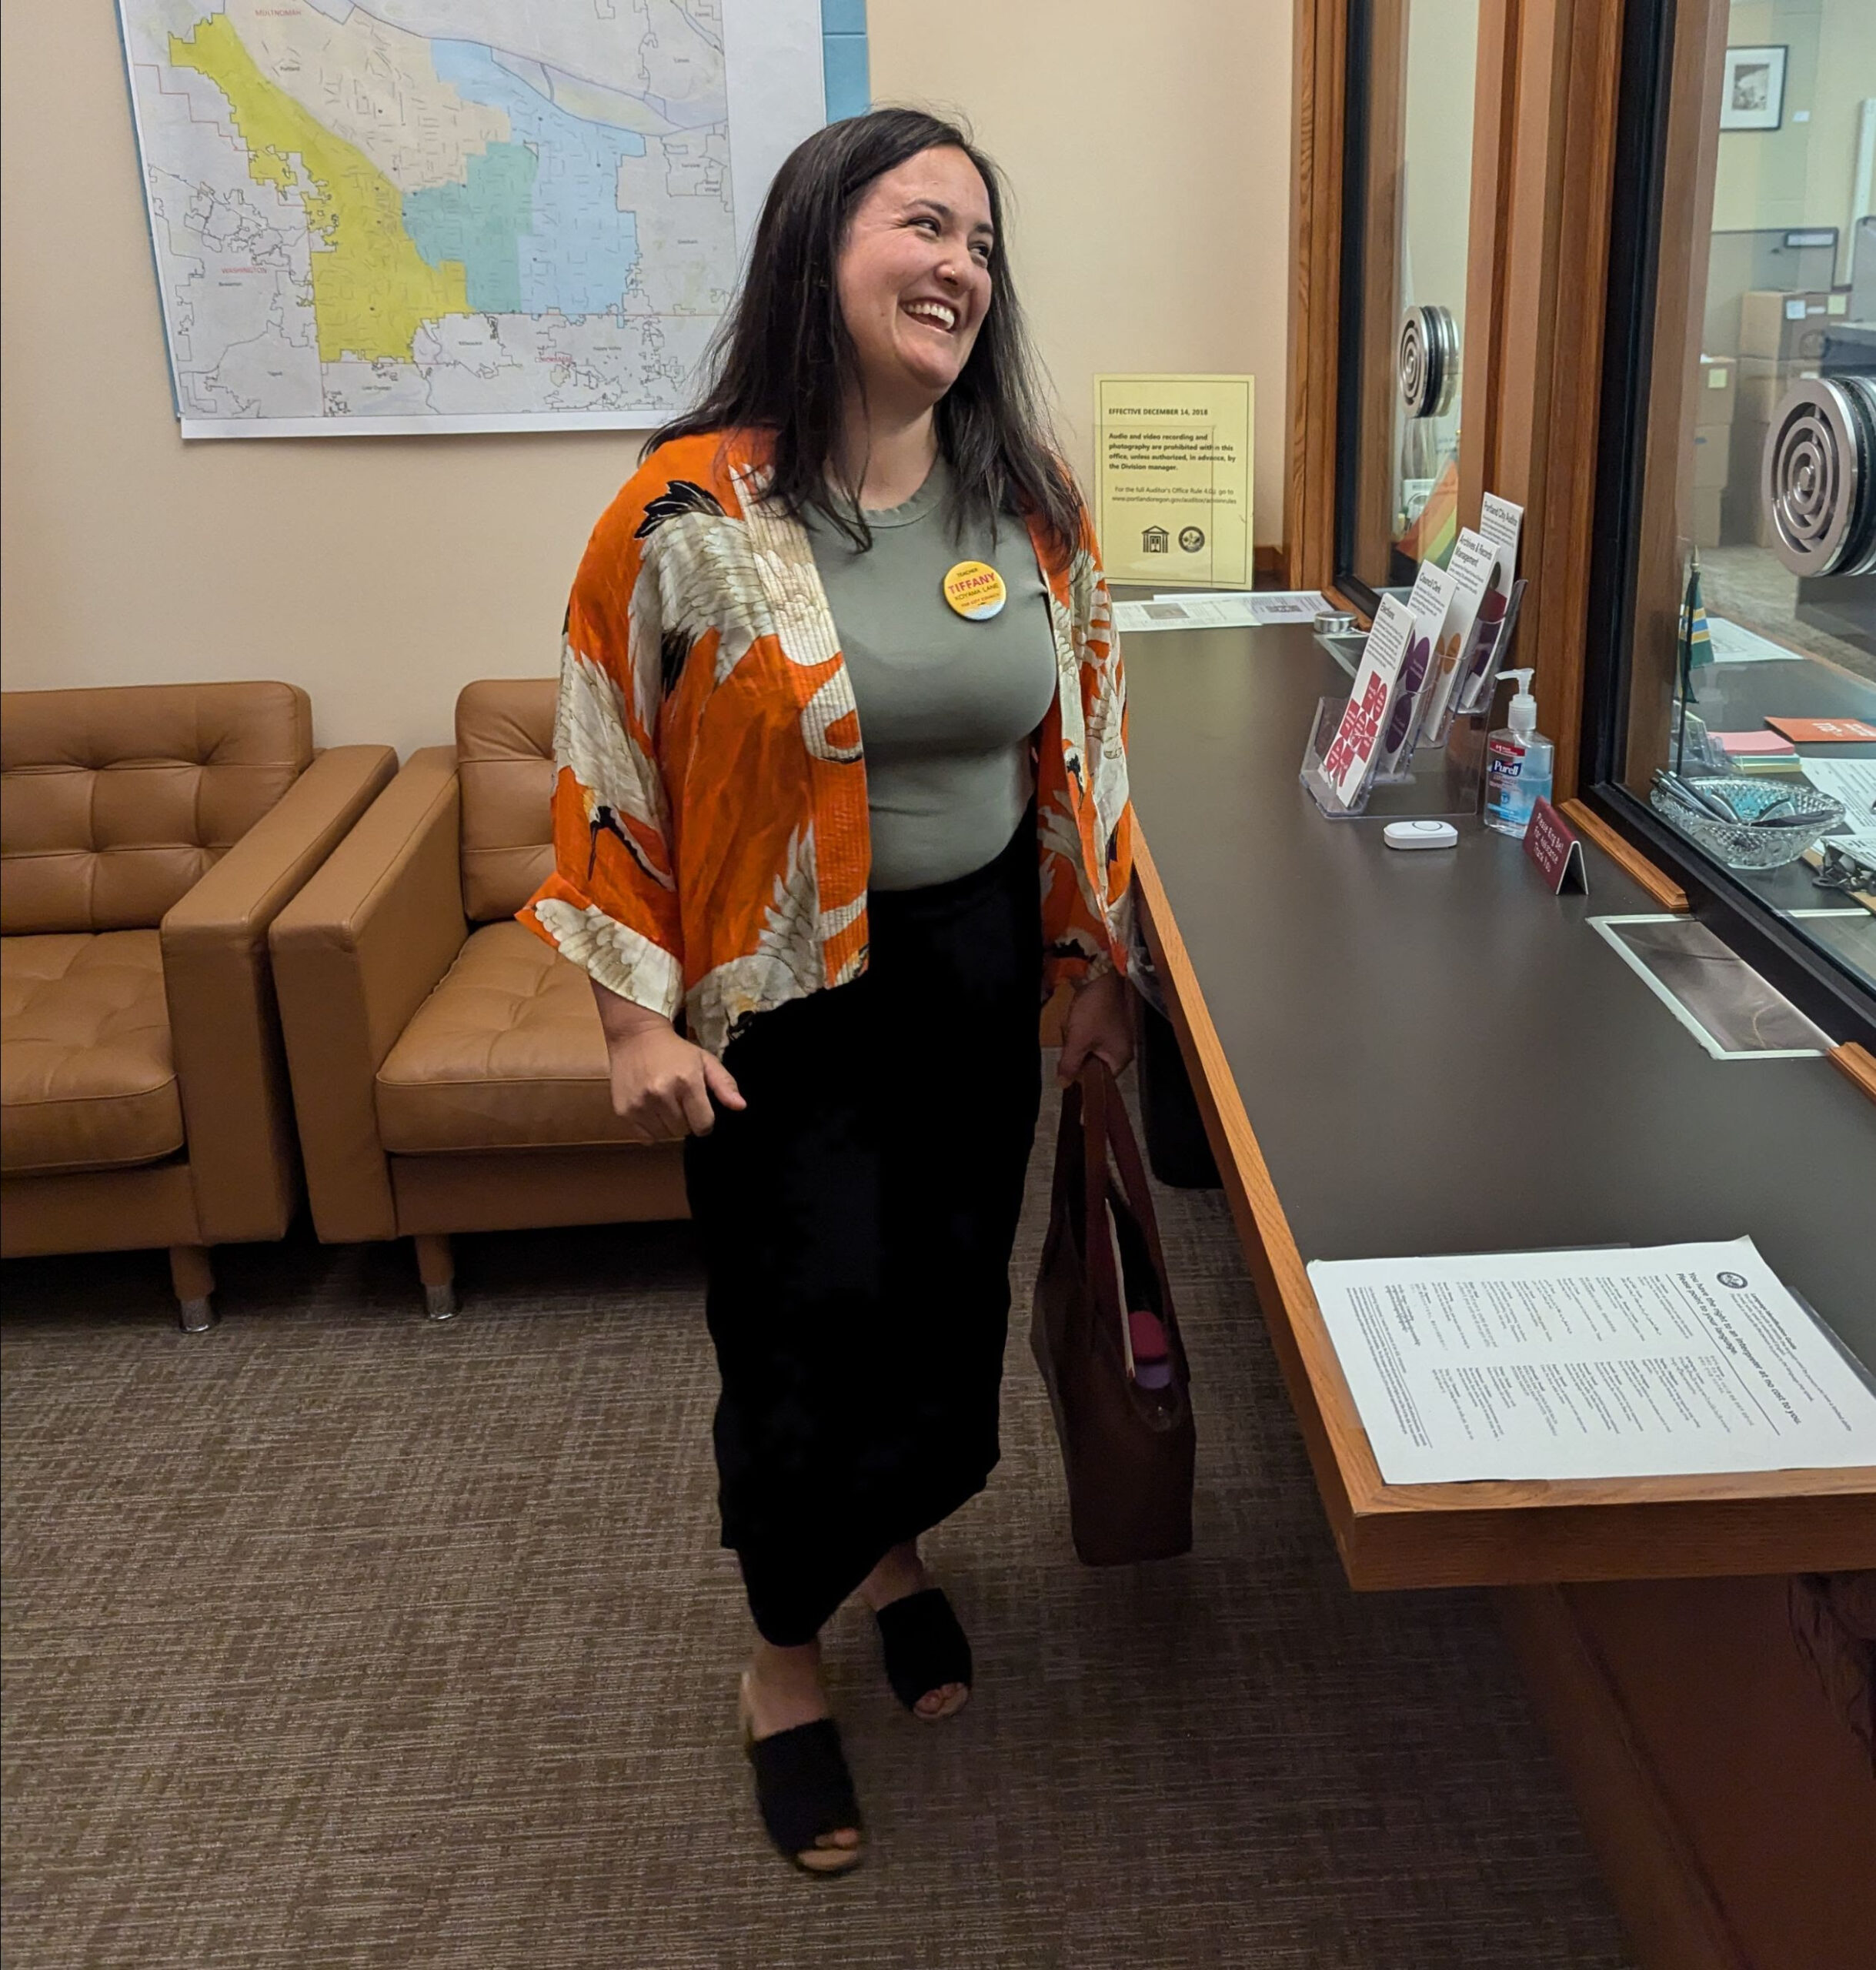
[(939, 314)]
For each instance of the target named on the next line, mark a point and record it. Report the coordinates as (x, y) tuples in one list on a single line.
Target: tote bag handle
[(1105, 1128)]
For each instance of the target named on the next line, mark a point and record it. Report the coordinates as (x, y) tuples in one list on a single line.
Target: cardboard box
[(1788, 328), (1759, 386), (1713, 456), (1744, 520), (1748, 447), (1707, 516), (1717, 393)]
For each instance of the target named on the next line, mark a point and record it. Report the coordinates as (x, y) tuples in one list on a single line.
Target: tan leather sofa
[(148, 836), (448, 1069)]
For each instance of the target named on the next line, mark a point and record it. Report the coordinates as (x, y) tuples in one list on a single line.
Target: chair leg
[(436, 1267), (193, 1276)]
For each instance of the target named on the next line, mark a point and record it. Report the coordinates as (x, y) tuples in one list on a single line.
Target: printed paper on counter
[(1851, 781), (1267, 605), (1667, 1361), (1241, 610)]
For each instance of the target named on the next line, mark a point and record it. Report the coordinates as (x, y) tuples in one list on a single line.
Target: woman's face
[(914, 276)]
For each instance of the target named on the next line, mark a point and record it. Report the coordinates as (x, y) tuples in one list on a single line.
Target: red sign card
[(1555, 851), (1824, 731)]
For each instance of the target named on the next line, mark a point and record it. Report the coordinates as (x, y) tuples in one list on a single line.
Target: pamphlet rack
[(1392, 763), (1314, 773), (1446, 783)]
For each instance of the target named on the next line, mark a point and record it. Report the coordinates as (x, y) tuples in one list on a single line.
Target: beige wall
[(1151, 175), (1442, 54), (1800, 174)]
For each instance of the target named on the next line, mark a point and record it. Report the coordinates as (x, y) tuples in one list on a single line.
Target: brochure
[(1500, 523), (1431, 598), (1472, 569), (1352, 752)]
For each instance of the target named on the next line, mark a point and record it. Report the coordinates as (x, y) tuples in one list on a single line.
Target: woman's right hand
[(661, 1085)]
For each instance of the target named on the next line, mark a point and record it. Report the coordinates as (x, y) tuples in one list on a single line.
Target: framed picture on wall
[(1752, 89)]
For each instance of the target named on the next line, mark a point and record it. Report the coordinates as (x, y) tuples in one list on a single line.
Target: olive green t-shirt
[(947, 705)]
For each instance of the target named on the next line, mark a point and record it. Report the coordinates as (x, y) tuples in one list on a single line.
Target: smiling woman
[(862, 529)]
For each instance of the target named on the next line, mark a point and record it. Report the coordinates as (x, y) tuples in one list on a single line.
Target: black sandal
[(925, 1647), (803, 1790)]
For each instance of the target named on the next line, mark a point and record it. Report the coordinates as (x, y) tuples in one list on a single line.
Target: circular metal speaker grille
[(1426, 361), (1817, 480)]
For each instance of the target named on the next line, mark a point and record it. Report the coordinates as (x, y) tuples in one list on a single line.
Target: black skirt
[(856, 1221)]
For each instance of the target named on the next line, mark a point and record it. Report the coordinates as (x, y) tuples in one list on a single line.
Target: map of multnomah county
[(435, 215)]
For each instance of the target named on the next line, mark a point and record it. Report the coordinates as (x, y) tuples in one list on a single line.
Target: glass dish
[(1739, 845)]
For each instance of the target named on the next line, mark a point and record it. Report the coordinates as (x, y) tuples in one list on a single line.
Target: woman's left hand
[(1100, 1020)]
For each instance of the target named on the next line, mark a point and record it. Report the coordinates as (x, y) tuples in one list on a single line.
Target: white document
[(1298, 605), (1851, 781), (1230, 611), (1670, 1360), (1182, 612), (1731, 644)]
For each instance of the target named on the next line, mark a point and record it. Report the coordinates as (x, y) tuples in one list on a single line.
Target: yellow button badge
[(976, 590)]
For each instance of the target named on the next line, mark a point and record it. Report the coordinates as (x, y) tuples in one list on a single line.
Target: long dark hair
[(783, 362)]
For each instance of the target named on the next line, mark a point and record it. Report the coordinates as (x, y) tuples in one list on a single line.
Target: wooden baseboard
[(1636, 865), (1667, 1904)]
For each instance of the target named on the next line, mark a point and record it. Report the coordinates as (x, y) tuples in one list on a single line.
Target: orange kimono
[(710, 832)]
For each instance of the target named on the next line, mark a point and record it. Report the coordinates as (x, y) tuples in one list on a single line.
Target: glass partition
[(1740, 485), (1409, 171)]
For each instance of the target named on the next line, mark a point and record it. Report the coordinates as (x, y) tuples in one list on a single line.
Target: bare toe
[(834, 1852)]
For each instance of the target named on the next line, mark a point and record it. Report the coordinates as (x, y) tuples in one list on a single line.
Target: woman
[(858, 943)]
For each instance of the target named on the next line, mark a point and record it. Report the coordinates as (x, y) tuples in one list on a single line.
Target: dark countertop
[(1438, 1056)]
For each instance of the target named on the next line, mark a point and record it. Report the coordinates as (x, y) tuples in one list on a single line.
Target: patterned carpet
[(333, 1637)]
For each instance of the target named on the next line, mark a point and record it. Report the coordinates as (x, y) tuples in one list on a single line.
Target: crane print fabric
[(711, 844)]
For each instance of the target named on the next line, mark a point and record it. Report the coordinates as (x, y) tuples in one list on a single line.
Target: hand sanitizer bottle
[(1518, 764)]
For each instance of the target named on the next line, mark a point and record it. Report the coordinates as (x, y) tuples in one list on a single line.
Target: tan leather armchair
[(449, 1072), (149, 836)]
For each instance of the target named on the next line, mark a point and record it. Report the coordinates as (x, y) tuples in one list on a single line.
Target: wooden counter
[(1516, 1086)]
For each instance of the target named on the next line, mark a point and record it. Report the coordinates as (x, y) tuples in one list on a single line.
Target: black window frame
[(1356, 97), (1808, 975)]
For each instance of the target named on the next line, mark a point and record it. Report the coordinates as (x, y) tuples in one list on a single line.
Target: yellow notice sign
[(1172, 478)]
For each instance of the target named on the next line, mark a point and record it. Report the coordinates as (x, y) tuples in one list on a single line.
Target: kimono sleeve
[(610, 904), (1104, 701)]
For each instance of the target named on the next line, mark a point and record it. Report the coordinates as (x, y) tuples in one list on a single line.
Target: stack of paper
[(1232, 611), (1629, 1363)]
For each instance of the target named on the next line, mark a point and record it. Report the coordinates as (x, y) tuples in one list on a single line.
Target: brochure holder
[(1446, 784), (1317, 782), (1486, 661)]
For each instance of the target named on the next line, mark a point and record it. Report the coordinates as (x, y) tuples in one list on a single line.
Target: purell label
[(1507, 759)]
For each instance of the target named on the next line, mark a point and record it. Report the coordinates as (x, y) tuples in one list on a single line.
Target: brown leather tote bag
[(1127, 1448)]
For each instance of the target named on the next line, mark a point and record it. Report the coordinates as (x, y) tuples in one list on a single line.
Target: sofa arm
[(223, 1025), (355, 954)]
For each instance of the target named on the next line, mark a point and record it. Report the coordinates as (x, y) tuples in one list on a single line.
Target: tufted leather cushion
[(114, 803), (86, 1081), (507, 1053), (505, 748)]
